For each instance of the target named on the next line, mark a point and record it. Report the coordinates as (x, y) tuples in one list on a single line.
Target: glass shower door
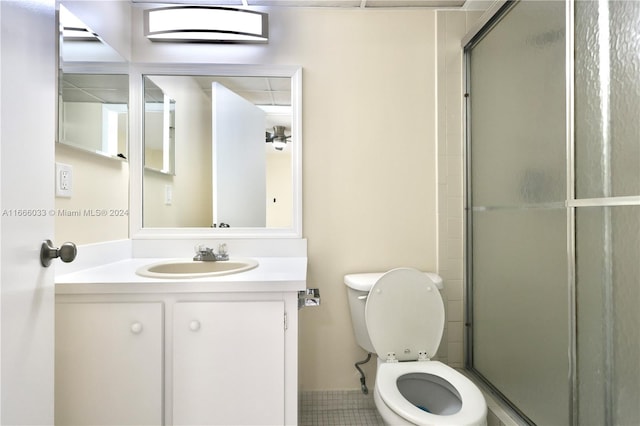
[(553, 266), (517, 263), (607, 202)]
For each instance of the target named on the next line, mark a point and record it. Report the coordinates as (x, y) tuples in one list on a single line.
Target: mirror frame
[(136, 149)]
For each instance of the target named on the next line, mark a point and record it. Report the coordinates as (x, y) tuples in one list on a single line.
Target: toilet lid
[(405, 315)]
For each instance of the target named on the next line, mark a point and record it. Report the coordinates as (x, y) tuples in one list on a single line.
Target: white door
[(27, 130), (240, 164), (228, 363)]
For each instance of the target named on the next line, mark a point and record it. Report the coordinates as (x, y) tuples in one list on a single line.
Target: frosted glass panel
[(518, 187), (520, 268), (608, 297), (518, 108), (607, 98), (521, 309)]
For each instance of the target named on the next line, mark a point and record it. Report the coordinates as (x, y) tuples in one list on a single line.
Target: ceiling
[(113, 89), (272, 94), (273, 91), (102, 88), (367, 4)]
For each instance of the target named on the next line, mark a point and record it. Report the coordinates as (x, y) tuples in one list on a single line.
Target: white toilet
[(400, 316)]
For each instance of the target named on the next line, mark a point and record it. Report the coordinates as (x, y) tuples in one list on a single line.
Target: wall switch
[(64, 180), (168, 195)]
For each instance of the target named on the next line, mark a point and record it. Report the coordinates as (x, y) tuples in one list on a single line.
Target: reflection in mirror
[(93, 113), (92, 106), (93, 98), (159, 129), (227, 172), (80, 43)]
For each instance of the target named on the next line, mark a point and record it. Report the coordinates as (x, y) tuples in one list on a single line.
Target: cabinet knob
[(194, 325), (136, 328)]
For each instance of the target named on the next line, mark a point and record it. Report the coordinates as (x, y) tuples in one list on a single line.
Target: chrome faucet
[(206, 254)]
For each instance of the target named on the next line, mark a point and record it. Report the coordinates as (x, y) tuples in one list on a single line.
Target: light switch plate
[(168, 195), (64, 180)]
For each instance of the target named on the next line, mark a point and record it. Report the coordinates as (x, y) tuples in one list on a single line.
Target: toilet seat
[(472, 412), (404, 315)]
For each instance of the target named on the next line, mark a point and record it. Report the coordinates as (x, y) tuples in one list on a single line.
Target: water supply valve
[(309, 297)]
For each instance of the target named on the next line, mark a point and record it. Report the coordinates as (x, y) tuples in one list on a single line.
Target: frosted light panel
[(607, 98), (202, 23)]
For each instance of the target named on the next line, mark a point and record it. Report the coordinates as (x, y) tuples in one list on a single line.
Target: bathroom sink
[(187, 268)]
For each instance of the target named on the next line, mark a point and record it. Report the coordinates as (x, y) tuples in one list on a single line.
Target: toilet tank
[(358, 287)]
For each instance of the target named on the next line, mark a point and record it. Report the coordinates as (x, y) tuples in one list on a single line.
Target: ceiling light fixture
[(78, 34), (206, 24), (73, 29), (277, 138)]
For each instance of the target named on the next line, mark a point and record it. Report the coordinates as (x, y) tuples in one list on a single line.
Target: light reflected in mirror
[(80, 43), (226, 171), (93, 113)]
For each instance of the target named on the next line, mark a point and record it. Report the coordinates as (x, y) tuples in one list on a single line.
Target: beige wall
[(191, 184), (279, 188), (101, 187), (369, 167)]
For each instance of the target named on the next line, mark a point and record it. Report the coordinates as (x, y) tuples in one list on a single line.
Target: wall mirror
[(229, 142), (93, 128), (93, 89), (93, 113)]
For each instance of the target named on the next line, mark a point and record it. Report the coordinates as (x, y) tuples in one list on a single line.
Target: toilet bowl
[(404, 321)]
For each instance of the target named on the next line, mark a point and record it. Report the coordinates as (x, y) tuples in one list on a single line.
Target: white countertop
[(273, 274)]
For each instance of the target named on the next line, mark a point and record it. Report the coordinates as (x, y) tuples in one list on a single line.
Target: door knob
[(67, 252)]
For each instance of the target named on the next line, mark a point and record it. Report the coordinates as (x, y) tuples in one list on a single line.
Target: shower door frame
[(487, 22)]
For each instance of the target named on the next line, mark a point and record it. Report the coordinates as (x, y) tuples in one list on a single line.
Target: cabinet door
[(108, 364), (228, 363)]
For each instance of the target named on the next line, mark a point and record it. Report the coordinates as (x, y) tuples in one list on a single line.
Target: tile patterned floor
[(338, 408)]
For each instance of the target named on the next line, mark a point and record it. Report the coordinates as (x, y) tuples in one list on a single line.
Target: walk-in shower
[(553, 209)]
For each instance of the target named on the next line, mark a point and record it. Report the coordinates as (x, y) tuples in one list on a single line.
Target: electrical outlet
[(64, 180)]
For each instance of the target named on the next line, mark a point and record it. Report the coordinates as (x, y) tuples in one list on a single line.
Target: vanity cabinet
[(183, 359), (228, 363), (109, 364)]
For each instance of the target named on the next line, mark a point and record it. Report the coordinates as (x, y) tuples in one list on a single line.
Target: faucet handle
[(222, 252)]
